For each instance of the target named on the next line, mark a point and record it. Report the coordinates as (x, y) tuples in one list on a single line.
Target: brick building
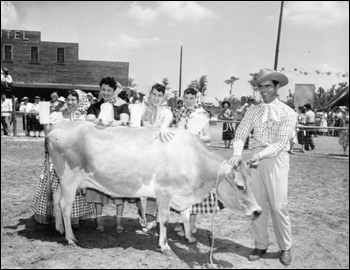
[(41, 67)]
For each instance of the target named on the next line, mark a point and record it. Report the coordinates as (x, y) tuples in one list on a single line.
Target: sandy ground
[(319, 209)]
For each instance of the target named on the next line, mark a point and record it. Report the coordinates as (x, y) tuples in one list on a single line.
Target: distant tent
[(341, 99)]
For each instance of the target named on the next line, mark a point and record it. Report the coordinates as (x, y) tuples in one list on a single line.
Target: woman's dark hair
[(159, 87), (302, 109), (110, 81), (73, 93), (124, 96), (191, 91)]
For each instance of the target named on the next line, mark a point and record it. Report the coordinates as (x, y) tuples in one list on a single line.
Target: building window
[(34, 54), (7, 53), (60, 55)]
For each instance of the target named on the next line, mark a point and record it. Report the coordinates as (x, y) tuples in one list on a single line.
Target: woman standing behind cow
[(108, 87), (156, 114), (75, 111), (194, 119)]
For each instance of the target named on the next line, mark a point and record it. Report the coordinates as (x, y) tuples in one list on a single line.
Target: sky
[(219, 39)]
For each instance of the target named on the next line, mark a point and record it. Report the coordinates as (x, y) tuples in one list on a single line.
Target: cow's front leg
[(185, 215), (163, 213)]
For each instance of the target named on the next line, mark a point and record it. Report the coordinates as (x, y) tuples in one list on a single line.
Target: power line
[(310, 52)]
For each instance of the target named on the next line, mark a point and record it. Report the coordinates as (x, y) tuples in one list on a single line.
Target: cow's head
[(235, 191)]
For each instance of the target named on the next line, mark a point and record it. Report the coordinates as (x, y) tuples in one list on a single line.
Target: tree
[(231, 82), (194, 84), (202, 85), (166, 83), (131, 82)]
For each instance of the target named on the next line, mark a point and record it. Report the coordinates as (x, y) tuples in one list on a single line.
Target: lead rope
[(212, 220)]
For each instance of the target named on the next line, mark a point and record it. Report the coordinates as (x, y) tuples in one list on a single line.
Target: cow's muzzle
[(256, 214)]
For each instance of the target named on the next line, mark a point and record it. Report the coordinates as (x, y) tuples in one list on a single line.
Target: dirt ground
[(318, 205)]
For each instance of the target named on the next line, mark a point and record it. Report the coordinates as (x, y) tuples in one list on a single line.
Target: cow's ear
[(246, 168), (246, 171), (231, 177)]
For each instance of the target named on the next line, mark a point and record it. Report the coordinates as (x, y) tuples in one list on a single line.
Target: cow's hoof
[(72, 242), (60, 229), (168, 253)]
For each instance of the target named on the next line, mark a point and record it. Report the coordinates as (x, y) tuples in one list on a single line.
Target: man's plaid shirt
[(273, 134)]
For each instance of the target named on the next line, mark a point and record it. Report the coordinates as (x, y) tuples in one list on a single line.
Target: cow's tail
[(49, 197)]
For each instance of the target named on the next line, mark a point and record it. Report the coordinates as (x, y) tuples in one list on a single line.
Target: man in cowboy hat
[(273, 123)]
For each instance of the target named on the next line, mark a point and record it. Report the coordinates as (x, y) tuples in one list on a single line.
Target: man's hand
[(164, 134), (254, 161), (234, 161)]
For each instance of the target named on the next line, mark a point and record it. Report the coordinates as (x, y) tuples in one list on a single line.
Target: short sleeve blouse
[(95, 109)]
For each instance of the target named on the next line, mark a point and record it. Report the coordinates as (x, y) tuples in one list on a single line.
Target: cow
[(134, 162)]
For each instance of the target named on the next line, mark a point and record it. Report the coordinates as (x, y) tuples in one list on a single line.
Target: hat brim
[(273, 76)]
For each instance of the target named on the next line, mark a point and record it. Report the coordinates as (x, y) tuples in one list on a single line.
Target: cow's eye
[(240, 187)]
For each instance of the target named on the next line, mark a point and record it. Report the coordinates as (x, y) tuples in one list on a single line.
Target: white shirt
[(26, 108), (310, 116), (6, 105), (164, 118)]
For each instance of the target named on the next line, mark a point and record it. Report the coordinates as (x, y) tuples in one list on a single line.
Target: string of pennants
[(302, 71)]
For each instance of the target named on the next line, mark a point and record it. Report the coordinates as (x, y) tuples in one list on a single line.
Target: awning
[(341, 99)]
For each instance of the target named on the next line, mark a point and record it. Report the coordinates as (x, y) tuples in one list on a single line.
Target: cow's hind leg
[(57, 210), (66, 203), (163, 212), (185, 215)]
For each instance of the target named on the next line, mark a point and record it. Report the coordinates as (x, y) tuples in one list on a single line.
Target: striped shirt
[(273, 134)]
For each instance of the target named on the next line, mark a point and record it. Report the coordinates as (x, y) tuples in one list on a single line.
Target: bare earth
[(318, 204)]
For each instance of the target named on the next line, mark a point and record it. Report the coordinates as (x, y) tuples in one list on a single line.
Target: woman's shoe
[(178, 228), (120, 229), (100, 229), (149, 227), (182, 233)]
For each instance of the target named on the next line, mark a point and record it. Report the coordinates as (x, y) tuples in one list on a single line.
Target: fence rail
[(298, 126), (18, 115)]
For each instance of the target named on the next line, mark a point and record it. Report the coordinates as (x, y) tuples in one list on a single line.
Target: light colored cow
[(131, 162)]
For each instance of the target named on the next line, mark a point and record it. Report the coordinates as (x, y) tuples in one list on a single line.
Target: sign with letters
[(13, 34)]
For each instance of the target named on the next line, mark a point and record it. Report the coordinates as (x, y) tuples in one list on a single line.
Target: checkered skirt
[(80, 207), (207, 206)]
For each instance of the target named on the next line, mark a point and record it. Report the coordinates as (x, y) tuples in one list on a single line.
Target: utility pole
[(180, 72), (278, 37)]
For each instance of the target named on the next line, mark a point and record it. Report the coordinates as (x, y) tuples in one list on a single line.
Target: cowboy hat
[(24, 98), (307, 106), (223, 103), (270, 75)]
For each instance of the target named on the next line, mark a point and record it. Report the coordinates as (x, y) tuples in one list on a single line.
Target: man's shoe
[(256, 254), (286, 257)]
